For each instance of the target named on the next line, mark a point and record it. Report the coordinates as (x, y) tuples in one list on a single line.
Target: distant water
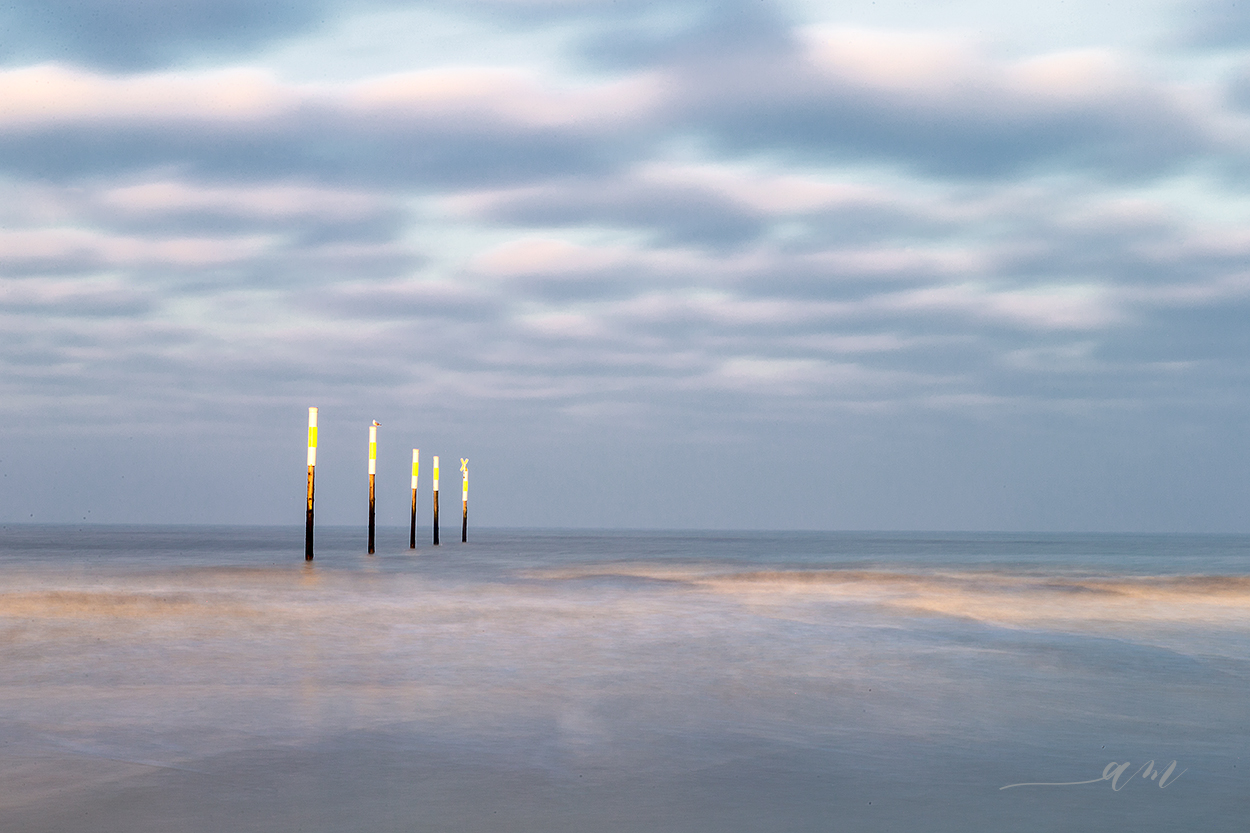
[(207, 679)]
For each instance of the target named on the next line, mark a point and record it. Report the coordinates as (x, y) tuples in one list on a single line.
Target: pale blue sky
[(867, 265)]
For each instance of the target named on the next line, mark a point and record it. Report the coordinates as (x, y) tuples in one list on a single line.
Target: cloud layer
[(721, 209)]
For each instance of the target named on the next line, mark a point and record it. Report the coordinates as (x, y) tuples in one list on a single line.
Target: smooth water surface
[(208, 679)]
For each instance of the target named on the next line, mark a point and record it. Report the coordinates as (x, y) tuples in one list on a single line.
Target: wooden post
[(436, 499), (312, 465), (464, 501), (416, 468), (373, 470)]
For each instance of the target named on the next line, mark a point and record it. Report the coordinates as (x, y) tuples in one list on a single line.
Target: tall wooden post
[(312, 466), (416, 468), (436, 499), (464, 501), (373, 470)]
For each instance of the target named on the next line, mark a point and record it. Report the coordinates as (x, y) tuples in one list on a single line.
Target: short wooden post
[(373, 470), (416, 468), (436, 499), (312, 466), (464, 501)]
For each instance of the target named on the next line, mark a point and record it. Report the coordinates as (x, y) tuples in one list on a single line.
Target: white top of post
[(312, 436)]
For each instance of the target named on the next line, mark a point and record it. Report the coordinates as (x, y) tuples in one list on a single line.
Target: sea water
[(208, 679)]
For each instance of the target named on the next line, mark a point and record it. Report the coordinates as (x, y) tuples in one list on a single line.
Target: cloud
[(1063, 307), (672, 213), (165, 232), (264, 203), (1217, 23), (704, 204), (746, 79), (934, 105), (941, 108), (432, 128), (131, 34), (70, 298), (73, 249), (732, 206), (413, 301)]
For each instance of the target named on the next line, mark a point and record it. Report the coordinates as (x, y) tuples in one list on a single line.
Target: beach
[(207, 678)]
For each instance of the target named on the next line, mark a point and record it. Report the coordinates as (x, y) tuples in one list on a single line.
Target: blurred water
[(197, 679)]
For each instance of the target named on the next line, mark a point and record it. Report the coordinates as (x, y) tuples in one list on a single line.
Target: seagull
[(375, 422)]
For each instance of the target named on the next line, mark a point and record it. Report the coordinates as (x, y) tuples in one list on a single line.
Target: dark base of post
[(436, 518), (371, 514), (464, 526), (308, 521), (412, 529)]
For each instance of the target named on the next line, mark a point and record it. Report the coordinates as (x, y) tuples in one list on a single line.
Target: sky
[(739, 264)]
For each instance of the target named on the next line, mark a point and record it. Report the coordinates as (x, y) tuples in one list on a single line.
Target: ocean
[(208, 679)]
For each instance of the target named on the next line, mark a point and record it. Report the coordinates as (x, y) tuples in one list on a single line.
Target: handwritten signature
[(1112, 772)]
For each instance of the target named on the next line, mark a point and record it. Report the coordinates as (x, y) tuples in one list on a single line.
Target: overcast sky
[(753, 263)]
